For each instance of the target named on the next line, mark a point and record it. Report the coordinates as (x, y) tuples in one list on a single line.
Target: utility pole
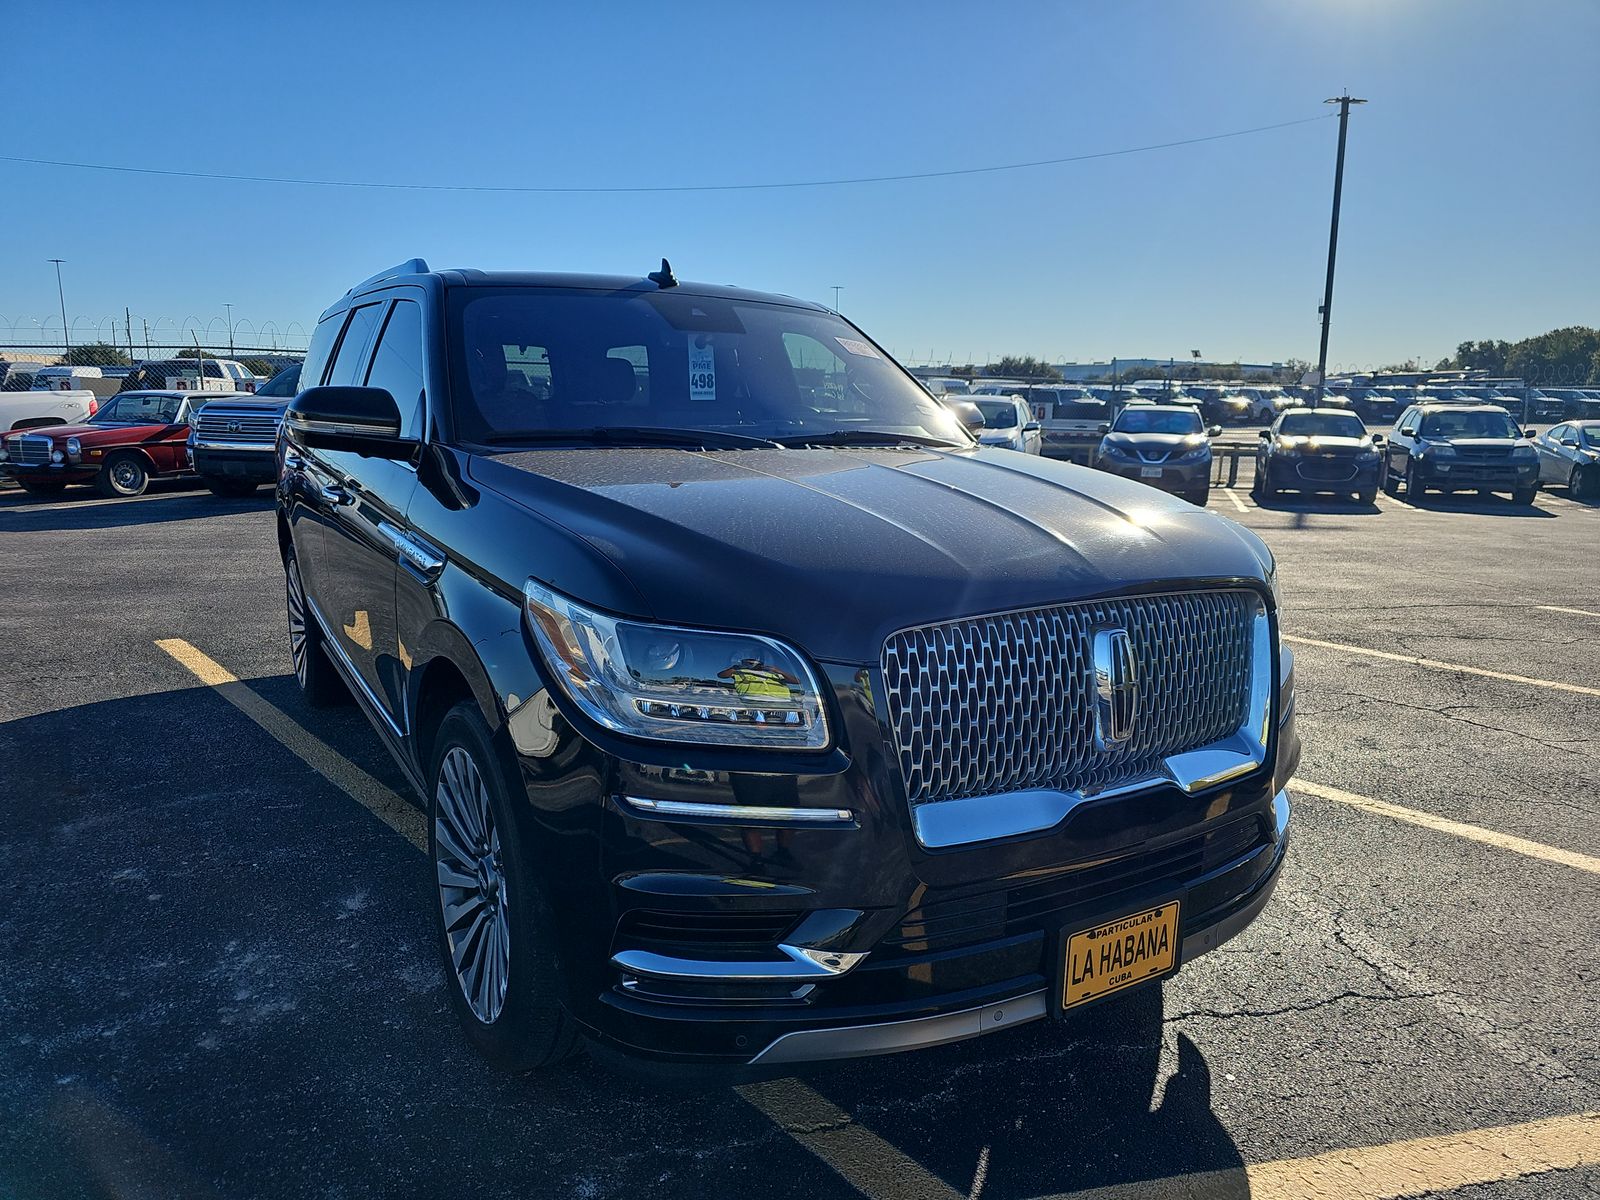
[(229, 307), (1344, 102), (836, 290), (66, 334), (127, 328)]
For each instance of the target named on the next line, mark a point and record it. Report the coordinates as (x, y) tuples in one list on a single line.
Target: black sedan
[(1317, 450), (1570, 454)]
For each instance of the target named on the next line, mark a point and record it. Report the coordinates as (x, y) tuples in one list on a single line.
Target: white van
[(65, 379)]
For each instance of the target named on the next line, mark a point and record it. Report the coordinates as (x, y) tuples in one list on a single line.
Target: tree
[(1560, 358), (968, 371), (95, 354), (1016, 367), (259, 367), (1488, 355), (1594, 368)]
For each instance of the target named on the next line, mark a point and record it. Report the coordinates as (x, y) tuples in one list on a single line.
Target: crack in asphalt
[(1227, 1015)]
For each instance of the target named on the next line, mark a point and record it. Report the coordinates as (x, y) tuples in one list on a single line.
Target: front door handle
[(292, 461)]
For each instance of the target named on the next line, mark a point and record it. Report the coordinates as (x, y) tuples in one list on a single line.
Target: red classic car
[(135, 437)]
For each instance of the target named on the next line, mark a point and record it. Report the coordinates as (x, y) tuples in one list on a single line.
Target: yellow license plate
[(1120, 954)]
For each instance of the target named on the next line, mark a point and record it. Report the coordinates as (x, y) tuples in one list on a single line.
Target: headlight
[(1287, 446), (1524, 453), (1115, 452), (1193, 453), (677, 685), (1437, 450), (1367, 457)]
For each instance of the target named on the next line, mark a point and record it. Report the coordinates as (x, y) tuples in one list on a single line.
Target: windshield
[(1473, 424), (285, 383), (140, 408), (1321, 424), (546, 360), (1158, 420), (998, 414), (1087, 409)]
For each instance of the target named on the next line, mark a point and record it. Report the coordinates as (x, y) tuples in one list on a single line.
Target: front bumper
[(234, 460), (1457, 475), (68, 472), (694, 942), (1184, 477), (1316, 473)]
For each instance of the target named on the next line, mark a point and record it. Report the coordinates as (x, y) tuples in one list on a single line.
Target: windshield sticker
[(702, 370), (857, 347)]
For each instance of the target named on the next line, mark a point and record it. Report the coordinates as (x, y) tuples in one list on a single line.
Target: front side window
[(397, 364), (536, 361), (1450, 425), (1158, 420)]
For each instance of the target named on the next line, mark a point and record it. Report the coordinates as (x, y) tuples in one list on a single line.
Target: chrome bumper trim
[(267, 448), (889, 1037), (800, 963), (752, 814)]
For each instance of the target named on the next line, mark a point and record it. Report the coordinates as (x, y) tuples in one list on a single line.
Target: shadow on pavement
[(1051, 1107), (232, 988), (41, 514), (1466, 502)]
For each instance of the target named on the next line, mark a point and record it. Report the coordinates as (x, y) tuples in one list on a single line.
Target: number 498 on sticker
[(702, 371)]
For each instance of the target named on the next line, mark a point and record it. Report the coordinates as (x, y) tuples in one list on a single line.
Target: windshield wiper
[(631, 435), (863, 437)]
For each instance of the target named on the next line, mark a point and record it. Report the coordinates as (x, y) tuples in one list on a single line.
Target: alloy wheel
[(472, 885), (298, 647)]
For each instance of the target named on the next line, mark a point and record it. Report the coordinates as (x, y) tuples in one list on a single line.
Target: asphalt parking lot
[(220, 979)]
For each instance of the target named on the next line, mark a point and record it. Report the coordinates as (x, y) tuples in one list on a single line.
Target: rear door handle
[(333, 494)]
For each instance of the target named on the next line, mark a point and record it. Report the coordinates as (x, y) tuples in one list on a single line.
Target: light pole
[(1344, 102), (837, 289), (229, 307), (66, 334)]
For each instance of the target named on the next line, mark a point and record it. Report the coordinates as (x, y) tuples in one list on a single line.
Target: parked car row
[(124, 442)]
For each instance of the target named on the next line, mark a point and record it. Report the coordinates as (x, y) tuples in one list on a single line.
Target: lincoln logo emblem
[(1116, 681)]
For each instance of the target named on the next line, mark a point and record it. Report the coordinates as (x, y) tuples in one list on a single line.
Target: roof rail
[(411, 266)]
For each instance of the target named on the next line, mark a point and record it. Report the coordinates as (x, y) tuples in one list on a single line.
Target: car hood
[(91, 434), (998, 435), (836, 549), (1172, 443)]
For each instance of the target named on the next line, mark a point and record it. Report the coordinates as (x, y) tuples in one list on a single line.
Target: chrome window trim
[(753, 814)]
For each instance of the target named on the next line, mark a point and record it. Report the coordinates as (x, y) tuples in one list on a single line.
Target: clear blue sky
[(1471, 188)]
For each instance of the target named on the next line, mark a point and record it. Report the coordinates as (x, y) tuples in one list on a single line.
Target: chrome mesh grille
[(30, 450), (218, 425), (1006, 703)]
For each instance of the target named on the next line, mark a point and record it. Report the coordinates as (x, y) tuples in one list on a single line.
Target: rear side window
[(397, 364), (348, 364)]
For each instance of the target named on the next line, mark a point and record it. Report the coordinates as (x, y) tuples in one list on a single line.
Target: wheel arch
[(445, 671)]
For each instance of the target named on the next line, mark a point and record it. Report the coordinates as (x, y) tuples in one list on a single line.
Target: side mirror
[(1213, 430), (1530, 433), (1264, 434), (1378, 438), (360, 419), (1105, 427), (1031, 427), (1408, 431)]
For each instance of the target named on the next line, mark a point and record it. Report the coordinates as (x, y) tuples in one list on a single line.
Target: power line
[(699, 187)]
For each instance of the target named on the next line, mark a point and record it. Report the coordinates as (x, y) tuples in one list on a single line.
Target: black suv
[(1460, 448), (761, 715)]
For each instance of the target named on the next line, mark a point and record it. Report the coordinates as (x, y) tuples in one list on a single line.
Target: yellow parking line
[(1416, 1167), (395, 812), (863, 1159), (1476, 833), (1582, 612), (1437, 665)]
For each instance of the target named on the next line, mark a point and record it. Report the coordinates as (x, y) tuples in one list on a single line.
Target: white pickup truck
[(26, 410)]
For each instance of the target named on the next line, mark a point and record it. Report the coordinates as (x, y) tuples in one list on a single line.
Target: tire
[(318, 678), (220, 485), (1388, 480), (490, 917), (1524, 495), (1581, 483), (41, 487), (1414, 491), (122, 475), (1264, 490)]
